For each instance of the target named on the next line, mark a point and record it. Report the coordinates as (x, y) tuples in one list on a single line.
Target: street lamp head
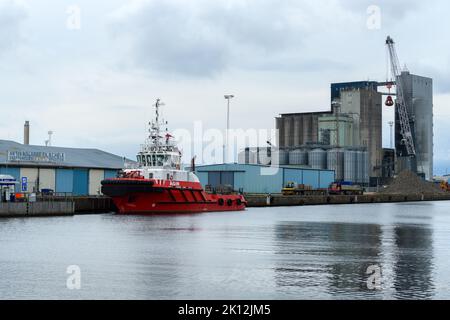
[(229, 96)]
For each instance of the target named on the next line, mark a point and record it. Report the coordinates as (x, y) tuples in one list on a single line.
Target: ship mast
[(155, 129)]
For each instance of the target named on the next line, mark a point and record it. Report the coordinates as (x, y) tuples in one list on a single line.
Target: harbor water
[(367, 251)]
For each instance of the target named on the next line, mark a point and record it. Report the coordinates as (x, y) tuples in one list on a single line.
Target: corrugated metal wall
[(203, 177), (293, 175), (64, 180), (110, 174), (239, 180), (311, 177), (76, 181), (80, 182), (95, 179), (259, 179), (326, 178), (47, 179)]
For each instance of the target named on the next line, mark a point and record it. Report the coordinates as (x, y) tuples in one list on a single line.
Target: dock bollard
[(269, 199)]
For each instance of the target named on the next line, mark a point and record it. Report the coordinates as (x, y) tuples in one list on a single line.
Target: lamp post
[(391, 125), (228, 97)]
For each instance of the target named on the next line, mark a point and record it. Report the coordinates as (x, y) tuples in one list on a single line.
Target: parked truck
[(345, 188), (445, 186), (292, 188)]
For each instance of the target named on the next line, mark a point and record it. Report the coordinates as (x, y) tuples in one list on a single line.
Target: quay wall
[(280, 200), (36, 209)]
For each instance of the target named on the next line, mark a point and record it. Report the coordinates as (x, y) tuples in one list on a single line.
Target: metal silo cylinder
[(365, 177), (317, 159), (350, 165), (298, 157), (360, 165), (280, 157), (264, 156), (335, 161)]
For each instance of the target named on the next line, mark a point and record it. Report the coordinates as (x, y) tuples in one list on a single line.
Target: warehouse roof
[(242, 166), (13, 153)]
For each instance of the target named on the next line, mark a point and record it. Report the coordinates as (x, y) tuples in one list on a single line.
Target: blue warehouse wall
[(203, 176), (80, 182), (64, 180), (239, 180), (293, 175), (311, 177), (111, 174), (326, 178), (260, 179)]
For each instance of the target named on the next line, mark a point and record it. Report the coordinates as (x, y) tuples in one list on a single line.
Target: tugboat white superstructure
[(159, 185)]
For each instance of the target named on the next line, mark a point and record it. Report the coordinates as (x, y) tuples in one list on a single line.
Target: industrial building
[(366, 105), (63, 170), (261, 179), (349, 164), (296, 129), (338, 130), (418, 95), (347, 139)]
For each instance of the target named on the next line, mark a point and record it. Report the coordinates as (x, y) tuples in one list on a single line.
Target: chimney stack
[(26, 133)]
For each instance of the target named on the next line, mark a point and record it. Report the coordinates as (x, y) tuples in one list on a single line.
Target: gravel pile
[(408, 182)]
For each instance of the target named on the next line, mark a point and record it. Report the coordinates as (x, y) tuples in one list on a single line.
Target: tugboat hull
[(137, 196)]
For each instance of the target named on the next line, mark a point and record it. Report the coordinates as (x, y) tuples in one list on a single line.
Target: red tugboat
[(158, 185)]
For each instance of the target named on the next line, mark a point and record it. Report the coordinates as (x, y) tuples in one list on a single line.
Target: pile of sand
[(408, 182)]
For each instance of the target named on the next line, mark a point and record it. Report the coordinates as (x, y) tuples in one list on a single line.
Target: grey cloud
[(441, 76), (204, 39), (11, 16), (441, 81), (168, 38), (392, 9)]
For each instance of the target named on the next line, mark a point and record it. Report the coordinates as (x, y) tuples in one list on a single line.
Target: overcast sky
[(94, 83)]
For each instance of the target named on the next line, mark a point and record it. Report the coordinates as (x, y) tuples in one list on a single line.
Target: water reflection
[(334, 256), (413, 265), (276, 253)]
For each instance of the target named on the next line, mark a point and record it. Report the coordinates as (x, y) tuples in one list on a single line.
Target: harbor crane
[(402, 110)]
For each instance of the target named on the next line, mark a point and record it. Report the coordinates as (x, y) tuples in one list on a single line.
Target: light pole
[(228, 97), (391, 124)]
